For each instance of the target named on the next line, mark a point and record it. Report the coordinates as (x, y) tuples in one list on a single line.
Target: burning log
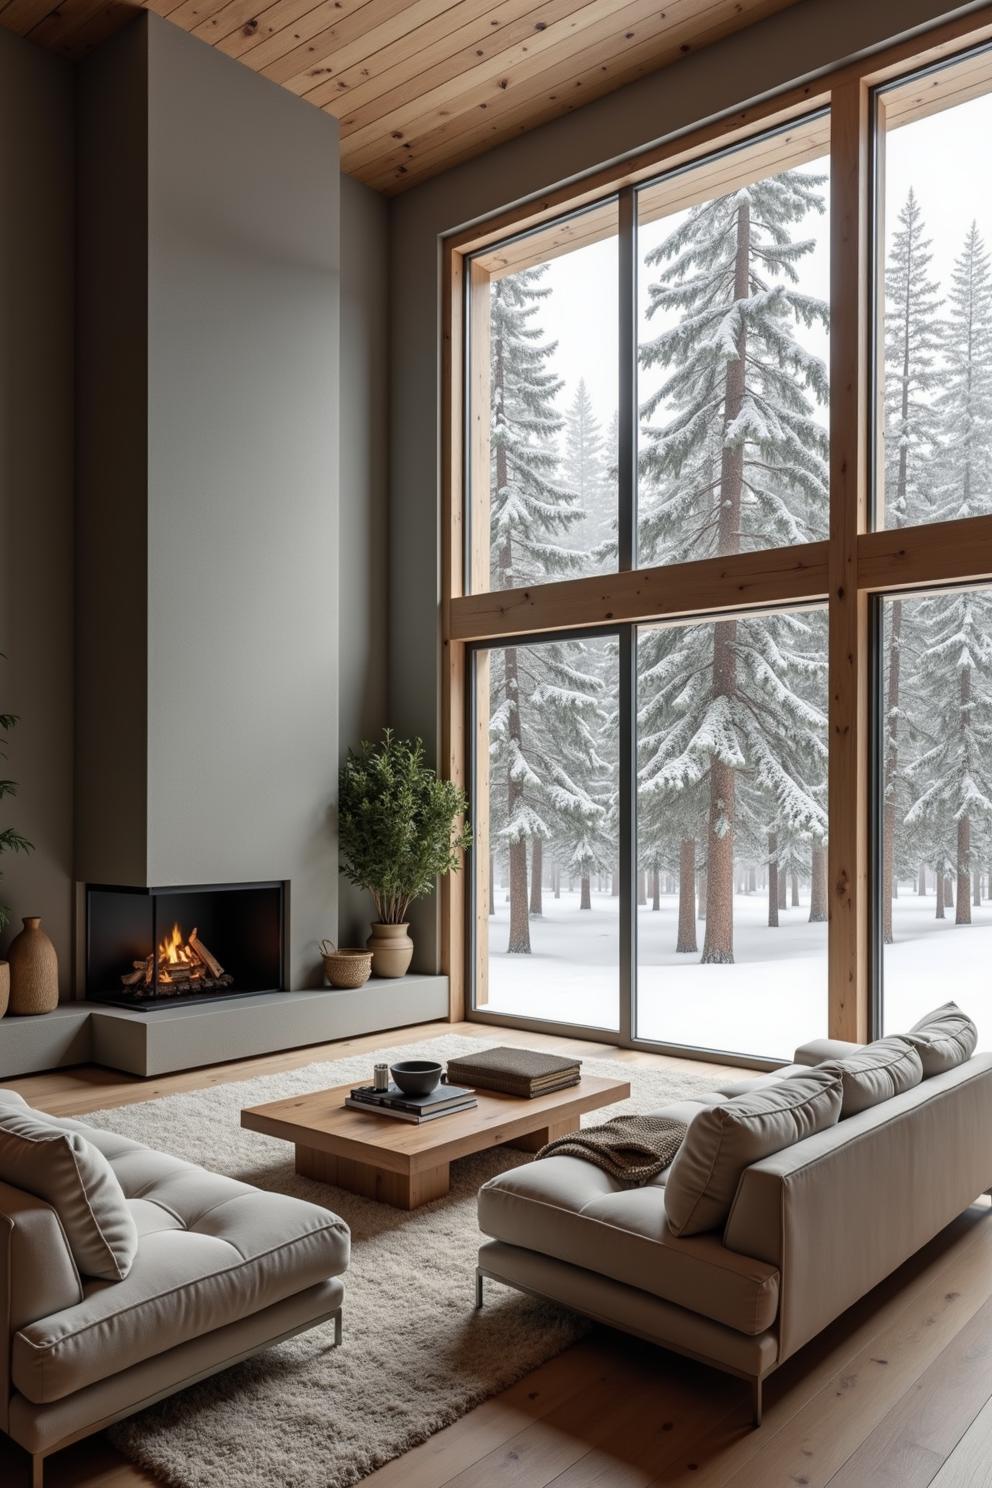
[(177, 967)]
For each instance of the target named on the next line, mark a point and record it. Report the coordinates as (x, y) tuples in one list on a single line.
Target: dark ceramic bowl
[(417, 1076)]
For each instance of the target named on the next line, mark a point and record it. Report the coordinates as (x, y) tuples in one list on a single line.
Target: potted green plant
[(10, 841), (399, 830)]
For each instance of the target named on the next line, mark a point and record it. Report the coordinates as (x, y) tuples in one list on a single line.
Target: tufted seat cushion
[(571, 1210), (211, 1250)]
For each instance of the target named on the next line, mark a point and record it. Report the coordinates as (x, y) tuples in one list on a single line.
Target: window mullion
[(627, 381)]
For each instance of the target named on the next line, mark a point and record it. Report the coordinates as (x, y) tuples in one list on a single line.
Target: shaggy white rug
[(416, 1355)]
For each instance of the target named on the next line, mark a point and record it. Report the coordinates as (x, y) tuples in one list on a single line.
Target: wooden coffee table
[(407, 1165)]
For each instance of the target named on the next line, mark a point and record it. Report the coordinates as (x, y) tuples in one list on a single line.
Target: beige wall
[(36, 487), (809, 38)]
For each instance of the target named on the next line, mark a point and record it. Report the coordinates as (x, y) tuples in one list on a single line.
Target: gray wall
[(36, 422), (809, 38), (228, 516), (362, 671)]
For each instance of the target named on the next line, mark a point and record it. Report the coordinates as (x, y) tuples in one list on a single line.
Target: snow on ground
[(774, 996)]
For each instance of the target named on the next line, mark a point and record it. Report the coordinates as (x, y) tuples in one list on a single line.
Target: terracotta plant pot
[(4, 986), (34, 971), (392, 950)]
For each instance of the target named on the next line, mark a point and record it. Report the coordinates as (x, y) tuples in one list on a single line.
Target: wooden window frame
[(845, 570)]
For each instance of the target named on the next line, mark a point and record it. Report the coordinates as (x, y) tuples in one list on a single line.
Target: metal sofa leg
[(337, 1328), (479, 1284), (756, 1394)]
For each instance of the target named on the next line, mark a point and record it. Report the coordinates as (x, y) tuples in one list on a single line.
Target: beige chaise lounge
[(221, 1271), (811, 1229)]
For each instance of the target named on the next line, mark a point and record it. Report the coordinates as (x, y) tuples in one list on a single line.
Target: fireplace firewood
[(134, 977), (200, 951)]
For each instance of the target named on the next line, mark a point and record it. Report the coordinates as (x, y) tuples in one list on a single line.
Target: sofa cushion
[(69, 1173), (212, 1250), (944, 1038), (876, 1073), (744, 1086), (571, 1210), (723, 1140)]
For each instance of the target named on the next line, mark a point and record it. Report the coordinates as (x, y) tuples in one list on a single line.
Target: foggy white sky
[(944, 157)]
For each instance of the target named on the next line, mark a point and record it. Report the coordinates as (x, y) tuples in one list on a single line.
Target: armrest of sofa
[(38, 1275), (817, 1050), (838, 1212)]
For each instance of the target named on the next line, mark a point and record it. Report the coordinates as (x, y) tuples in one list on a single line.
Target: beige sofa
[(221, 1271), (812, 1228)]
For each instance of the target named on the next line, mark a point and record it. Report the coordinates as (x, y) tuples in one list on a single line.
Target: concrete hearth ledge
[(177, 1038)]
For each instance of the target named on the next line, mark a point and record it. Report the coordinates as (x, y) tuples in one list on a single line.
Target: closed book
[(523, 1091), (438, 1099), (417, 1118), (523, 1067)]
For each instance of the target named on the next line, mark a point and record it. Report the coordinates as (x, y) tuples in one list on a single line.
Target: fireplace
[(159, 947)]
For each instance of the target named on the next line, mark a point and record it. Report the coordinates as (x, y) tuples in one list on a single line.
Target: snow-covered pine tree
[(951, 779), (963, 406), (912, 326), (738, 462), (578, 756), (586, 461), (530, 511)]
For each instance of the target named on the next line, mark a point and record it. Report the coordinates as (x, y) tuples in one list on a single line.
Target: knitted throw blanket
[(631, 1149)]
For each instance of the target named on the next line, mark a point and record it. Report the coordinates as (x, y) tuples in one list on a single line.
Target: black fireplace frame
[(254, 911)]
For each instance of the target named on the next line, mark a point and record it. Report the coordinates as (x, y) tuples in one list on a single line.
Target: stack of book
[(444, 1101), (522, 1072)]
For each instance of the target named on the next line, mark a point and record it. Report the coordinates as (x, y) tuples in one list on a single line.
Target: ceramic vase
[(34, 971), (392, 950)]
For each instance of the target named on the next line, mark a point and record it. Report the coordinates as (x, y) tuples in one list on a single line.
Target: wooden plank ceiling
[(420, 85)]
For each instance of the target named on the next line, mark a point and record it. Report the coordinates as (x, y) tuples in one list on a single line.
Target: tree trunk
[(891, 757), (772, 880), (615, 886), (783, 882), (752, 881), (963, 914), (585, 895), (976, 889), (557, 880), (536, 876), (941, 883), (701, 898), (655, 888), (818, 884), (492, 883), (687, 897), (795, 889), (922, 889), (949, 890), (642, 890)]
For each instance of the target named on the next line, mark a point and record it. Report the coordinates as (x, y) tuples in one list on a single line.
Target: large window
[(546, 802), (732, 832), (936, 816), (719, 576)]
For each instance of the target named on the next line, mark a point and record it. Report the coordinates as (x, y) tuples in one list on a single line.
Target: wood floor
[(897, 1394)]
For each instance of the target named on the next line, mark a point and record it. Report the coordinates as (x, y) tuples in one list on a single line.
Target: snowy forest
[(731, 714)]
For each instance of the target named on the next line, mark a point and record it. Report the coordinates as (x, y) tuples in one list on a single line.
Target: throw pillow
[(725, 1139), (943, 1039), (69, 1173), (876, 1073)]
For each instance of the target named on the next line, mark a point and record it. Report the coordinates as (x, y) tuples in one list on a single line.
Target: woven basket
[(345, 968)]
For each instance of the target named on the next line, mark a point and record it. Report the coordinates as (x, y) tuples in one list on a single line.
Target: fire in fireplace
[(140, 953), (181, 964)]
